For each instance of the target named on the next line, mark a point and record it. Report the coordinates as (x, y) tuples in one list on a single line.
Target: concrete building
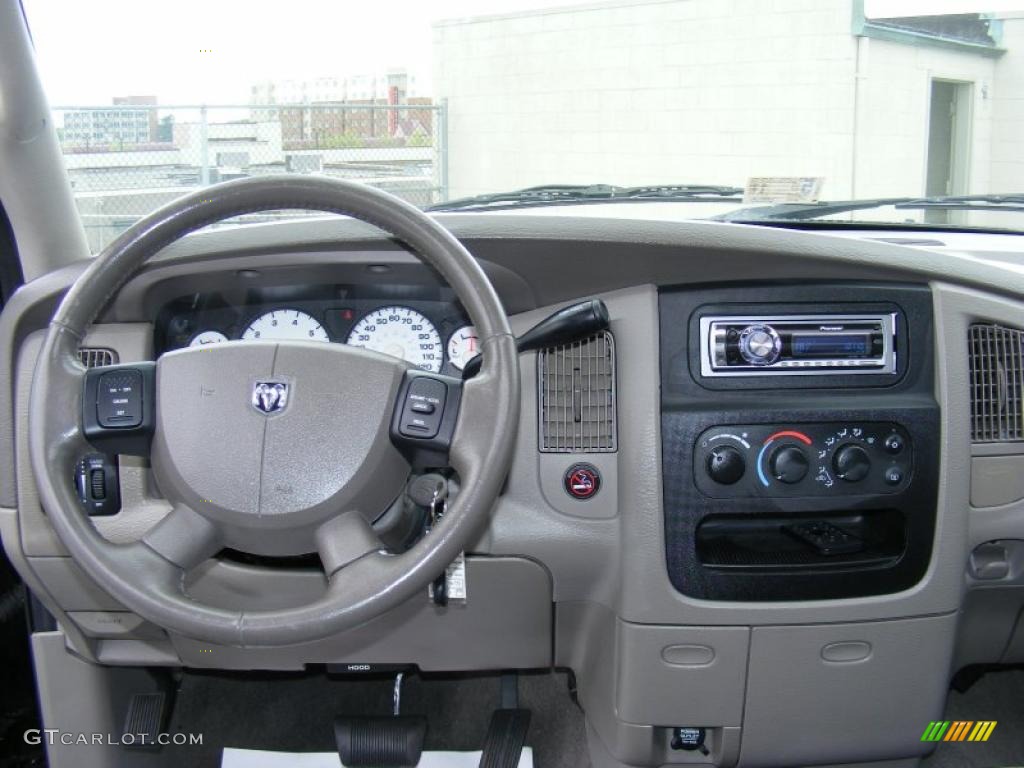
[(703, 91), (114, 126)]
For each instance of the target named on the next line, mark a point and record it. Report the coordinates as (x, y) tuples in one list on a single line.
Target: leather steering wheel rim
[(151, 585)]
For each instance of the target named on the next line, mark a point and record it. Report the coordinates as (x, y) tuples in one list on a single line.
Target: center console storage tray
[(760, 542)]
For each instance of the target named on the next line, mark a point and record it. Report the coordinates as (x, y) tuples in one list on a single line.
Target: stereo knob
[(788, 464), (760, 344), (726, 464), (851, 462)]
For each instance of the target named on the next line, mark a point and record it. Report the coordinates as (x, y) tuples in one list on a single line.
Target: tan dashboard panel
[(139, 509), (996, 480)]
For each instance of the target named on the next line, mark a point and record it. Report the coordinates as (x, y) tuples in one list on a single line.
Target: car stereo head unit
[(797, 344)]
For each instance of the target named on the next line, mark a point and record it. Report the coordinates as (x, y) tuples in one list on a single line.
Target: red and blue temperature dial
[(782, 458)]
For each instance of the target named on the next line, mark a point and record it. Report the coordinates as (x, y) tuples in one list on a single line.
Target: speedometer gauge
[(285, 325), (400, 332)]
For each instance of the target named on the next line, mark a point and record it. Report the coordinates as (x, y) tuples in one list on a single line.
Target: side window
[(11, 276)]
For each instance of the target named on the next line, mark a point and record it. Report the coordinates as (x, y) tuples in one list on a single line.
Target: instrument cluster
[(430, 333)]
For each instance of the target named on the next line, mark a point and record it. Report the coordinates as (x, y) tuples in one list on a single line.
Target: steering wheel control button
[(582, 481), (97, 484), (423, 407), (726, 464), (851, 463), (119, 399), (788, 464), (117, 408)]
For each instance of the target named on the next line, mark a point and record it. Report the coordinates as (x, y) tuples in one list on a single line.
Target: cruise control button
[(119, 399), (422, 407)]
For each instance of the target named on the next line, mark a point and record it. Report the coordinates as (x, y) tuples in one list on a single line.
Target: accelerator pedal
[(506, 736), (146, 718)]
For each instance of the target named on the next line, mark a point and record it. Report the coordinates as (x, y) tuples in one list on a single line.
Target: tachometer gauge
[(463, 346), (203, 338), (400, 332), (285, 325)]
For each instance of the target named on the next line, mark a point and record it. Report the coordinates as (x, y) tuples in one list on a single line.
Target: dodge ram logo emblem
[(269, 396)]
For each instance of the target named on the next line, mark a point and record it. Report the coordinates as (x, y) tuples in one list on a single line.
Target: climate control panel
[(790, 460)]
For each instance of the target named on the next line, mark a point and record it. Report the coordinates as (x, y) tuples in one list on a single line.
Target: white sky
[(92, 50)]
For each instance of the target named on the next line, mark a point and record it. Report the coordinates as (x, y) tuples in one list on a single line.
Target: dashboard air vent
[(997, 383), (577, 396), (94, 357)]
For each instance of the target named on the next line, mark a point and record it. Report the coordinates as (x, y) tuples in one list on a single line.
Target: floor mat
[(292, 712), (246, 758), (996, 696)]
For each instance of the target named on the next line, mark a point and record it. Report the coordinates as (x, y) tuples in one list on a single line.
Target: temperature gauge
[(203, 338), (463, 346)]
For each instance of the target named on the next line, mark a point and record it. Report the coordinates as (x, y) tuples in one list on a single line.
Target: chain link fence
[(124, 161)]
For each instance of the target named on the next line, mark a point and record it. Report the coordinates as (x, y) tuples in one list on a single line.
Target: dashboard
[(701, 580), (424, 327)]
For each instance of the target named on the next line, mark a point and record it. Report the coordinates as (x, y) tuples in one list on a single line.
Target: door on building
[(948, 148)]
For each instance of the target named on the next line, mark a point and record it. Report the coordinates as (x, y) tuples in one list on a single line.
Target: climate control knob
[(726, 464), (851, 462), (788, 464), (760, 344)]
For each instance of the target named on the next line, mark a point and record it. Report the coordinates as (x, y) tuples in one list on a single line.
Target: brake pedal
[(394, 742), (382, 742)]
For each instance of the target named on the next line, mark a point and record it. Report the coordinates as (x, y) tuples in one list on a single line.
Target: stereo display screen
[(832, 345)]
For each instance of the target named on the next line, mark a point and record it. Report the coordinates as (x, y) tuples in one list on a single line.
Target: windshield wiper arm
[(555, 194), (686, 192), (545, 194), (807, 211), (1008, 202)]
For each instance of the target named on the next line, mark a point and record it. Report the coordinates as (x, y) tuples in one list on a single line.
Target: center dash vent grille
[(94, 357), (997, 383), (577, 396)]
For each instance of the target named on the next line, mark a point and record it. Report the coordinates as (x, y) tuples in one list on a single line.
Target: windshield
[(786, 104)]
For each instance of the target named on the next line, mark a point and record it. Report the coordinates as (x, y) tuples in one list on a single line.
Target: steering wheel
[(273, 448)]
